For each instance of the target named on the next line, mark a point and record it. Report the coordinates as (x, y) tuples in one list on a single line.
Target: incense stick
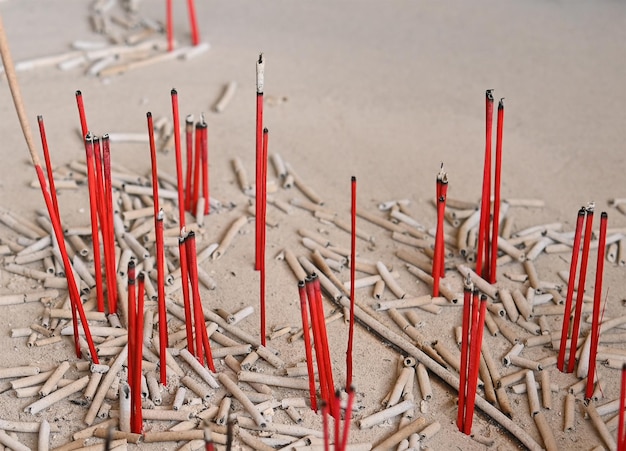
[(189, 148), (570, 288), (597, 300), (581, 287), (262, 227), (169, 13), (352, 283), (496, 189), (193, 22), (260, 81), (482, 250), (179, 159)]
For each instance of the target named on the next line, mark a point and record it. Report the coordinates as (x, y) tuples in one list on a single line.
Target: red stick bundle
[(570, 289), (317, 340), (597, 300), (321, 318), (465, 347), (202, 338), (348, 415), (93, 210), (482, 251), (496, 191), (581, 289), (477, 339), (307, 344), (352, 288)]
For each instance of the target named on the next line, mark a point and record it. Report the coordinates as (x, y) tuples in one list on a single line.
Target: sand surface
[(384, 91)]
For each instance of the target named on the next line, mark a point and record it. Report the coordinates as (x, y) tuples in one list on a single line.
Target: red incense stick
[(132, 333), (204, 147), (321, 318), (137, 417), (169, 19), (438, 259), (477, 339), (197, 304), (16, 94), (621, 437), (570, 289), (109, 235), (307, 344), (195, 34), (348, 415), (93, 209), (325, 427), (261, 215), (337, 405), (46, 156), (260, 80), (581, 289), (496, 192), (597, 300), (160, 257), (81, 113), (189, 147), (352, 282), (465, 339), (197, 167), (319, 352), (184, 275), (179, 159), (483, 229)]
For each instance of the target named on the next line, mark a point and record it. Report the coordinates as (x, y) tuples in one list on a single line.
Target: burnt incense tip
[(148, 114), (105, 137), (141, 276), (89, 136), (604, 215), (483, 297), (501, 103), (300, 283), (78, 93), (265, 130), (191, 235), (260, 58), (189, 119), (160, 215), (131, 264), (39, 118), (174, 91), (489, 94), (353, 178), (591, 207), (582, 211)]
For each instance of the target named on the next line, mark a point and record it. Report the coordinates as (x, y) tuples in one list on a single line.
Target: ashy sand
[(384, 91)]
